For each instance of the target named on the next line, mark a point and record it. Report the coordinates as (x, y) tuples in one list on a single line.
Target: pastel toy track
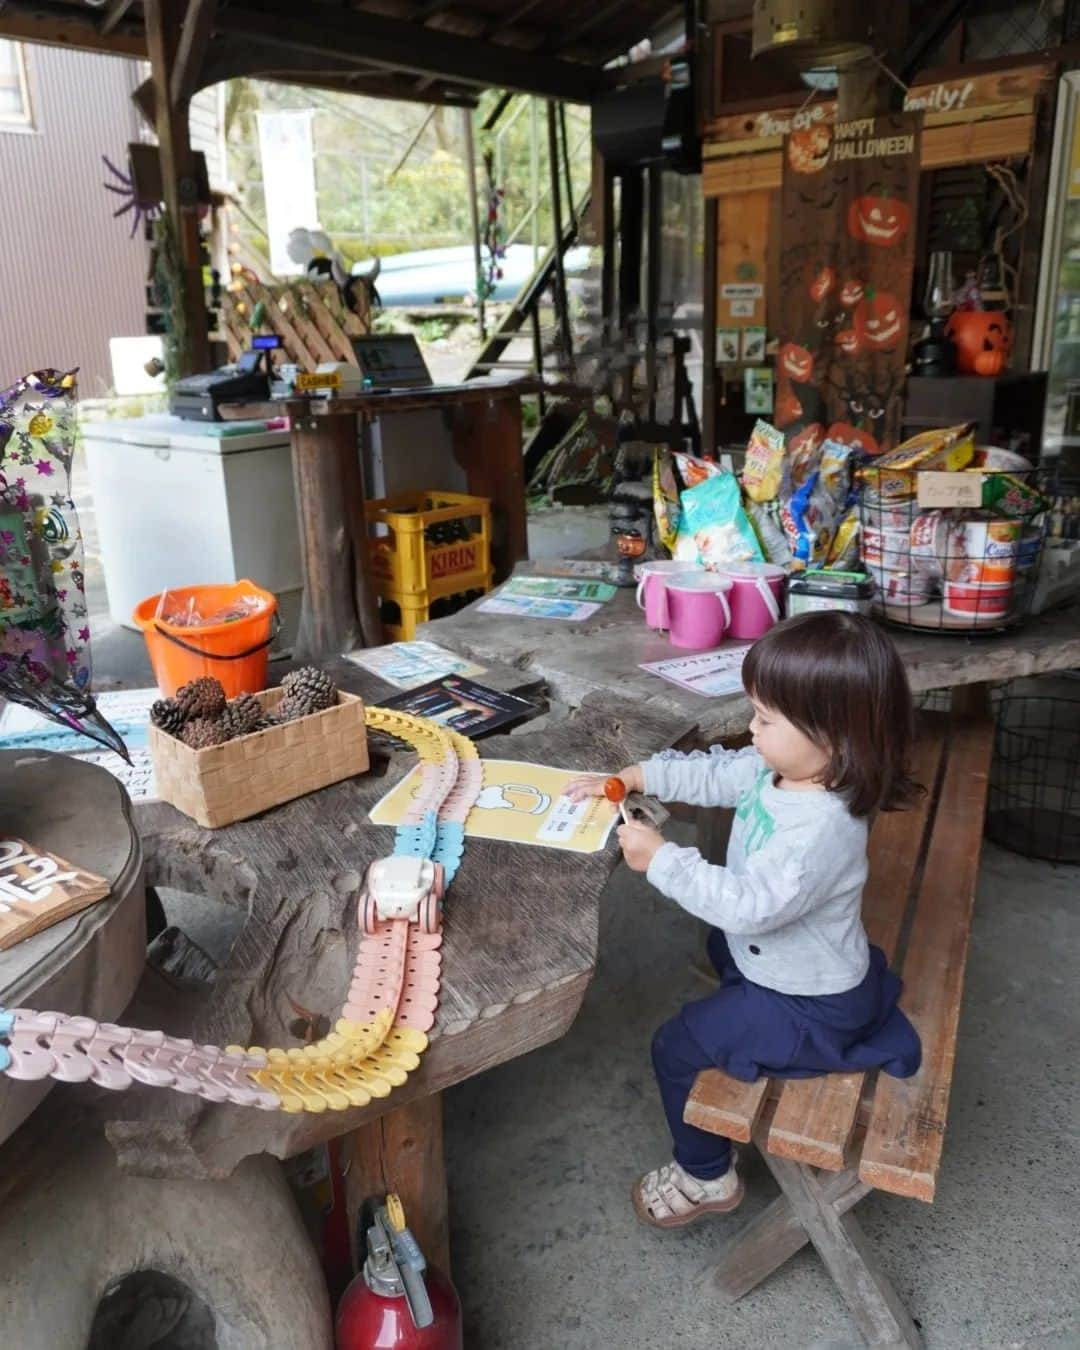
[(393, 995)]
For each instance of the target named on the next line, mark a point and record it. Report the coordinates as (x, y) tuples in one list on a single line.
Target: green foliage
[(391, 177)]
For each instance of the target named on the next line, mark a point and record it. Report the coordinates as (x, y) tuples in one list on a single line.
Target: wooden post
[(474, 215), (338, 610), (164, 20), (402, 1153)]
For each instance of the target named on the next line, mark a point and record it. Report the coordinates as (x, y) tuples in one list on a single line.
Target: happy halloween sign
[(847, 243)]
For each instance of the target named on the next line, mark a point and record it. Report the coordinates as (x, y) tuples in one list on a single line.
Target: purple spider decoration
[(125, 187)]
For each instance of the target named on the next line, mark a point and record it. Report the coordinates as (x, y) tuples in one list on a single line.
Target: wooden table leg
[(845, 1249), (338, 608), (402, 1152), (775, 1235)]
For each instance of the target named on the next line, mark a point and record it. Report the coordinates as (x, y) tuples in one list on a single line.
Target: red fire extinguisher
[(397, 1302)]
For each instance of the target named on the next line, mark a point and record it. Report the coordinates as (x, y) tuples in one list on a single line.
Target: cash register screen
[(391, 361)]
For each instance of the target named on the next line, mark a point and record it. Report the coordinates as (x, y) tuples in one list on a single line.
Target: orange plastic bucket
[(234, 652)]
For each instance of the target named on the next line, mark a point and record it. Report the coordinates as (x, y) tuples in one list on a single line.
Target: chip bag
[(666, 508), (764, 467), (713, 517)]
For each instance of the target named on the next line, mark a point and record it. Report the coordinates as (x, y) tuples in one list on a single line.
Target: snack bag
[(894, 474), (693, 471), (814, 510), (666, 508), (844, 550), (764, 467), (713, 517), (765, 518)]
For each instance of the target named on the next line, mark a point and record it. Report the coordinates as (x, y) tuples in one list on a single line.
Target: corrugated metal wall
[(70, 278)]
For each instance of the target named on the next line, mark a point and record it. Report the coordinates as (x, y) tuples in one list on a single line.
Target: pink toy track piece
[(66, 1045), (29, 1043), (144, 1061), (105, 1052)]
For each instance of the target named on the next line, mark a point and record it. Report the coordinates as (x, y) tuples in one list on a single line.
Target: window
[(15, 111)]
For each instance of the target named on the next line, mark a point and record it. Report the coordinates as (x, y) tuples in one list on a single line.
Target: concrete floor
[(541, 1154)]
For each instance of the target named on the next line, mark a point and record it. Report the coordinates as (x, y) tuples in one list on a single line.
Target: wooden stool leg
[(775, 1235), (403, 1152), (844, 1248)]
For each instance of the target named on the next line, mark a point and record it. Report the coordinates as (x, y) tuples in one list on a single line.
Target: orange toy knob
[(615, 790)]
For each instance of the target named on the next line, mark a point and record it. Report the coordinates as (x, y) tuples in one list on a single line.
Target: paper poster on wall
[(520, 803), (727, 344)]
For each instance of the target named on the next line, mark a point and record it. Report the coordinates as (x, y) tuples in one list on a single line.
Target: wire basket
[(951, 569), (1034, 800)]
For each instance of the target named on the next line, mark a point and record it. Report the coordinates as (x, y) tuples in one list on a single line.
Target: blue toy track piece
[(450, 848), (7, 1024)]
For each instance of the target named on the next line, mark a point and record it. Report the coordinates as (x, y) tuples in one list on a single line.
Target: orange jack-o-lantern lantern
[(879, 319), (978, 331)]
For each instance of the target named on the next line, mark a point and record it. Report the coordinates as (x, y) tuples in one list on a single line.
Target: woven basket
[(253, 773)]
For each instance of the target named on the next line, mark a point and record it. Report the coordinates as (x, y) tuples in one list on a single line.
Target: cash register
[(199, 397)]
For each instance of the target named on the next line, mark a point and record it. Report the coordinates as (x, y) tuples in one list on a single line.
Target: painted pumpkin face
[(975, 331), (849, 340), (788, 408), (822, 284), (880, 320), (796, 362), (881, 221), (858, 439), (851, 292)]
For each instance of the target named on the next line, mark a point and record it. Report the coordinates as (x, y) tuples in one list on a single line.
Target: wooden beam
[(375, 40), (192, 48), (116, 10), (63, 26), (178, 175)]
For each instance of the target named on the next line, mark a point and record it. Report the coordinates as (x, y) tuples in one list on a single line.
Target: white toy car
[(402, 888)]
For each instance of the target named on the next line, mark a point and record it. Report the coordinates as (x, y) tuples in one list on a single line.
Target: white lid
[(753, 569), (699, 581)]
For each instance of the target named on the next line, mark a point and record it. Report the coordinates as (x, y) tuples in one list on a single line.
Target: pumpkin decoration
[(849, 340), (822, 284), (846, 434), (879, 318), (788, 408), (878, 220), (980, 333), (796, 362), (851, 292)]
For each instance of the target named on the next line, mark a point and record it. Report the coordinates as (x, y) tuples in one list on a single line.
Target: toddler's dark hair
[(838, 678)]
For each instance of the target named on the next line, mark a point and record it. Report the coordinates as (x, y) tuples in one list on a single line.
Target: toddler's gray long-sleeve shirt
[(789, 896)]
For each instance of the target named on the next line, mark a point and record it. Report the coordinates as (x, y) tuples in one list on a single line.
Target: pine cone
[(243, 715), (308, 690), (168, 716), (203, 697), (203, 732)]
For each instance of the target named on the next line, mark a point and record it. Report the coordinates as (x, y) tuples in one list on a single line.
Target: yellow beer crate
[(422, 546)]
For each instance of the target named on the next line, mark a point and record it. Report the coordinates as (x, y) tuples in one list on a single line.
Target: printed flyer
[(411, 664), (710, 673), (463, 705), (521, 804)]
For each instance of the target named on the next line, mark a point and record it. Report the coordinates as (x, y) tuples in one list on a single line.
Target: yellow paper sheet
[(520, 804)]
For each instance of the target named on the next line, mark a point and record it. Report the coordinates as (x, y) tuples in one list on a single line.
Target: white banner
[(288, 167)]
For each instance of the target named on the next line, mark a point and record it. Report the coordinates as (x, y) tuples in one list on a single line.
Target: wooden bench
[(829, 1141)]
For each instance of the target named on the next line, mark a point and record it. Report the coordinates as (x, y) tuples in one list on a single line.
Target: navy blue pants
[(750, 1031)]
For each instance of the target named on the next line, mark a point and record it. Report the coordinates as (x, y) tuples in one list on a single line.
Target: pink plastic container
[(653, 578), (698, 609), (755, 598)]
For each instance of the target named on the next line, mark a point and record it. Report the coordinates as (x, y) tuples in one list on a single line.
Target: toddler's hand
[(639, 844), (592, 784)]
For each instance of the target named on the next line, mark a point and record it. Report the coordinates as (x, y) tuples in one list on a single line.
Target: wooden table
[(485, 426), (603, 656), (520, 949)]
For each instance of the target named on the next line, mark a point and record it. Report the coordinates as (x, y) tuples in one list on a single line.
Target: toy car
[(402, 888)]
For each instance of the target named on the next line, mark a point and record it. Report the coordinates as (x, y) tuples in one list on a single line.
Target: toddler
[(801, 990)]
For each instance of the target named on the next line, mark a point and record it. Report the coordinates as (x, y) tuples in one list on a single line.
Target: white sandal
[(670, 1197)]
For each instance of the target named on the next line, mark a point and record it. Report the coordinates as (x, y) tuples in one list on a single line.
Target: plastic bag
[(765, 518), (666, 508), (693, 471), (713, 517)]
